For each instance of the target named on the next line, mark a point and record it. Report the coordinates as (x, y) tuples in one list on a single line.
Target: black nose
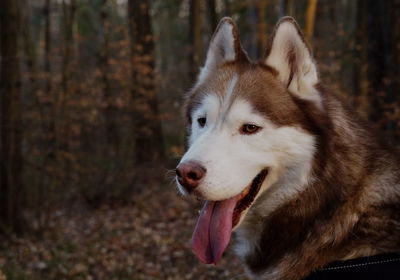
[(190, 174)]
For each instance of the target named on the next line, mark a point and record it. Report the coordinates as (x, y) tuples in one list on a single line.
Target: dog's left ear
[(289, 54)]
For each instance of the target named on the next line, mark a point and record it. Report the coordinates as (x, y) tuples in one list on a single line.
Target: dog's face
[(243, 122), (246, 130)]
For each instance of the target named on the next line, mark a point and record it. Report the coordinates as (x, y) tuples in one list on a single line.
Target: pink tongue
[(213, 230)]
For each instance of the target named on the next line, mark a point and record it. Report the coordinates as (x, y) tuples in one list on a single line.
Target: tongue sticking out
[(213, 230)]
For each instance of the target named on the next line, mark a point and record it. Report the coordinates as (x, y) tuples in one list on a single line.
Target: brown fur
[(332, 218), (351, 210)]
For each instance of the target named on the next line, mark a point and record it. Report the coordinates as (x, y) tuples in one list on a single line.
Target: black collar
[(382, 267)]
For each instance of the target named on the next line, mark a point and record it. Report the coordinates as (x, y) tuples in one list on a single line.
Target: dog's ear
[(290, 55), (224, 47)]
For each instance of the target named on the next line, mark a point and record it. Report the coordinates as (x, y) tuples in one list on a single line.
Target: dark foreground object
[(382, 267)]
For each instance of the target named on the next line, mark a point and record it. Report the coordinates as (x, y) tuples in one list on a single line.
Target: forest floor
[(147, 239)]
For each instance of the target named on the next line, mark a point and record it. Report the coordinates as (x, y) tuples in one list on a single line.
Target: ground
[(146, 239)]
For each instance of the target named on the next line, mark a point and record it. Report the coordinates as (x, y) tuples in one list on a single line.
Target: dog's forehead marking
[(217, 95), (227, 98), (213, 85), (227, 101)]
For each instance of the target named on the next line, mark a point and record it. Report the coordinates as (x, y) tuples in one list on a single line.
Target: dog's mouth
[(247, 196), (217, 219)]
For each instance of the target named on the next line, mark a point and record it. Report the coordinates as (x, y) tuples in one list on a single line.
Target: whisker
[(170, 174), (172, 181)]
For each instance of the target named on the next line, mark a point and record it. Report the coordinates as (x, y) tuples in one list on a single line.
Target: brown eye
[(249, 129), (202, 121)]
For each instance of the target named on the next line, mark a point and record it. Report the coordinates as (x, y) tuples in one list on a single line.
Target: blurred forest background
[(91, 94)]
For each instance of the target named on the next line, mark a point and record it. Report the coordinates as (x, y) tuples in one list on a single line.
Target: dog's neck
[(349, 208)]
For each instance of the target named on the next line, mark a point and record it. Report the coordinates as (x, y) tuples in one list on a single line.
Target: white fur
[(287, 177), (228, 97), (232, 159), (221, 49), (305, 75)]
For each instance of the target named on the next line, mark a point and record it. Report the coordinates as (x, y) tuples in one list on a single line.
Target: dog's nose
[(189, 174)]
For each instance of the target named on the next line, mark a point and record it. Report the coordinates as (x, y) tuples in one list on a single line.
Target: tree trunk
[(261, 27), (376, 51), (149, 146), (47, 46), (289, 7), (11, 189), (359, 59), (111, 132), (48, 106), (227, 7), (196, 46), (252, 20), (393, 99), (212, 14), (310, 18), (68, 30), (383, 32), (29, 49), (61, 123)]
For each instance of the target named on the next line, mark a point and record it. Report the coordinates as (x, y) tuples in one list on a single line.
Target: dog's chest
[(247, 236)]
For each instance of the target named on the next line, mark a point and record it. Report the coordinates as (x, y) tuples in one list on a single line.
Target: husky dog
[(282, 163)]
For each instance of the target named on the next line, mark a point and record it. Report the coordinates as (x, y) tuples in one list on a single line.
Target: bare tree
[(261, 27), (11, 188), (104, 56), (60, 123), (47, 44), (196, 46), (310, 18), (149, 146), (289, 7), (212, 13), (48, 105), (383, 31)]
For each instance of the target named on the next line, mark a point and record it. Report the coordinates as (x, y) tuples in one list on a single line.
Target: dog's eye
[(202, 121), (249, 128)]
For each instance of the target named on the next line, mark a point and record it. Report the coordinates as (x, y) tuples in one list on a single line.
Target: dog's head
[(246, 129)]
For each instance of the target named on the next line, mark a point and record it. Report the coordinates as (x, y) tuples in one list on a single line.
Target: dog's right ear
[(224, 47)]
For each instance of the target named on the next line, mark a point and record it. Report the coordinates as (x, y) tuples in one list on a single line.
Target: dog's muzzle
[(189, 174)]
